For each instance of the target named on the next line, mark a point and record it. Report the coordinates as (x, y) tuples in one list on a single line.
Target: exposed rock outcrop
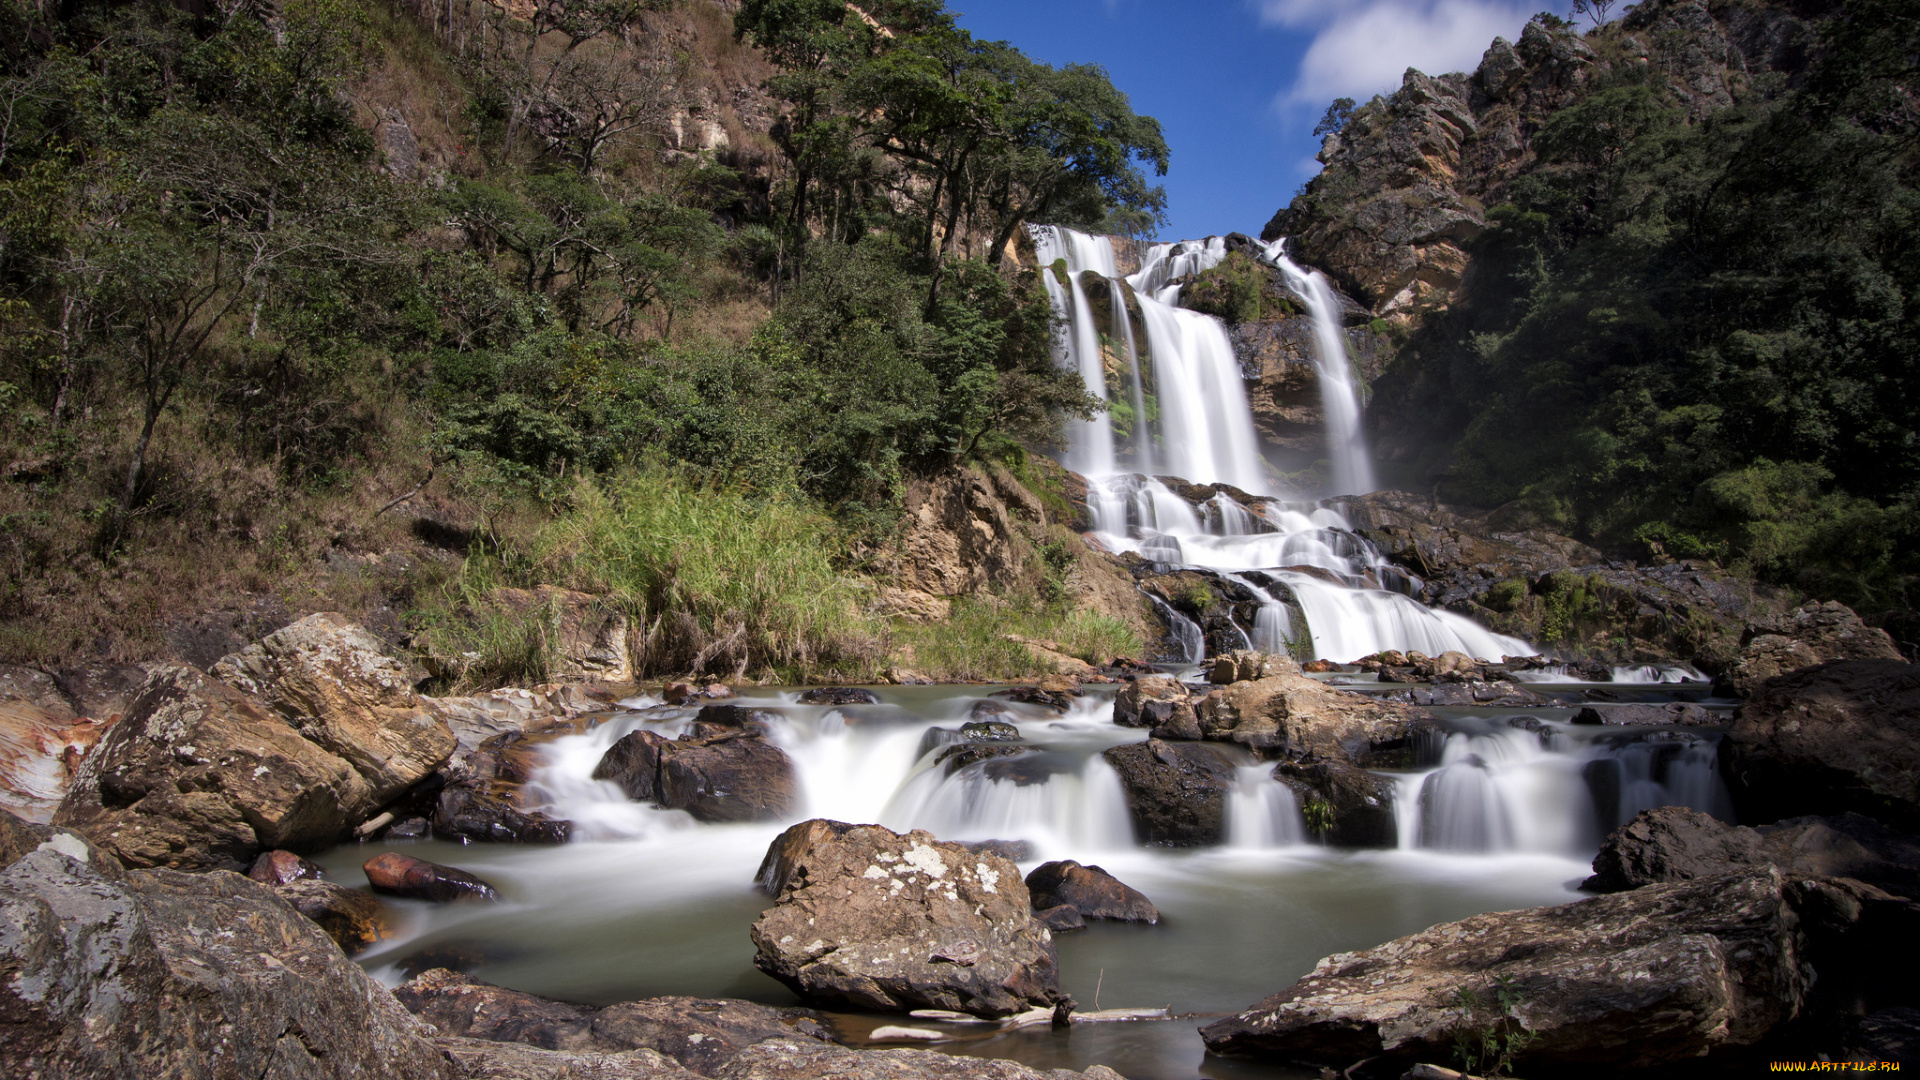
[(197, 777), (1674, 843), (867, 917), (1809, 635), (1176, 791), (1292, 714), (586, 636), (1844, 735), (1660, 975)]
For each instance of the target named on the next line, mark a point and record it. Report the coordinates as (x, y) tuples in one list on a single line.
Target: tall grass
[(984, 642), (716, 582)]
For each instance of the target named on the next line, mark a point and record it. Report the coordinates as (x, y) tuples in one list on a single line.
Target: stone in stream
[(1057, 698), (960, 755), (1151, 701), (1359, 804), (1674, 843), (731, 776), (281, 867), (417, 879), (1090, 891), (116, 973), (1844, 735), (198, 776), (353, 919), (1672, 713), (1290, 713), (1060, 918), (1661, 975), (490, 810), (873, 919), (1176, 792), (839, 695), (701, 1034)]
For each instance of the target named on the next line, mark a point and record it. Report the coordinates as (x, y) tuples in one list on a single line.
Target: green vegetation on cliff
[(445, 298), (1701, 339)]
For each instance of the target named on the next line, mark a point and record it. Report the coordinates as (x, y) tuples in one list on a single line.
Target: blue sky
[(1239, 84)]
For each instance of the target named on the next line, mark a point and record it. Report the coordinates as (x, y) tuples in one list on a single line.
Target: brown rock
[(353, 919), (797, 1059), (838, 695), (1245, 665), (491, 811), (281, 867), (1668, 713), (1844, 735), (1664, 974), (1176, 792), (417, 879), (1813, 634), (701, 1034), (877, 920), (1151, 701), (334, 682), (1359, 803), (1294, 714), (1674, 843), (729, 776), (197, 776), (1089, 890), (478, 1059)]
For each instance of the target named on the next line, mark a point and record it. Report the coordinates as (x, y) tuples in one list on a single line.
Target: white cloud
[(1362, 47)]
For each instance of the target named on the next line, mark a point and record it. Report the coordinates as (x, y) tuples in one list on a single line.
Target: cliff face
[(1409, 179)]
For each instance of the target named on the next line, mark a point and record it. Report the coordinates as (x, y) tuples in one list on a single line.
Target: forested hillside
[(328, 303), (1658, 285)]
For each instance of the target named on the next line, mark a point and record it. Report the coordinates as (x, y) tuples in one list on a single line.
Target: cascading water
[(1348, 601)]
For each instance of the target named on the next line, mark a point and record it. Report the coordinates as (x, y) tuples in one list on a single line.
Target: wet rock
[(41, 743), (1844, 735), (1294, 714), (353, 919), (490, 811), (198, 776), (334, 682), (1475, 692), (1669, 713), (1176, 792), (1358, 804), (1089, 890), (1887, 1035), (413, 828), (1010, 850), (1061, 918), (1060, 700), (1180, 724), (960, 755), (985, 709), (417, 879), (838, 695), (701, 1034), (873, 919), (281, 867), (989, 731), (732, 776), (1151, 701), (1809, 635), (1664, 974), (158, 973), (1674, 843), (1025, 769)]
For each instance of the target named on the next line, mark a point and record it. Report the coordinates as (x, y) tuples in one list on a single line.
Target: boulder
[(1661, 975), (1666, 713), (417, 879), (799, 1059), (1358, 804), (1809, 635), (481, 717), (478, 1059), (1245, 665), (158, 973), (491, 811), (197, 776), (281, 867), (1470, 693), (700, 1034), (1844, 735), (353, 919), (1089, 890), (334, 682), (1151, 701), (730, 776), (838, 695), (1674, 843), (1290, 713), (873, 919), (1060, 918), (1176, 792)]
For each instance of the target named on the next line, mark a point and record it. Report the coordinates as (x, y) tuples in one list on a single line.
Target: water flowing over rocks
[(727, 774), (198, 777), (1659, 975), (1844, 735), (1358, 805), (1674, 843), (1176, 791), (1089, 891), (870, 918), (159, 973)]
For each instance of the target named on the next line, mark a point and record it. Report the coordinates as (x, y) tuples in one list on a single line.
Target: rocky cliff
[(1410, 177)]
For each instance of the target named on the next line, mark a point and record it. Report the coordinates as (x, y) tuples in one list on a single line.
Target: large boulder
[(701, 1034), (197, 776), (1660, 975), (484, 798), (870, 918), (1844, 735), (1290, 713), (1090, 891), (400, 875), (1151, 701), (1176, 791), (105, 972), (336, 684), (1674, 843), (1345, 805), (725, 775), (1809, 635)]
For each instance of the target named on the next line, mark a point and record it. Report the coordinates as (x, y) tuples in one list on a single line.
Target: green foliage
[(1336, 118), (1695, 339), (1236, 290), (1492, 1033), (1318, 815)]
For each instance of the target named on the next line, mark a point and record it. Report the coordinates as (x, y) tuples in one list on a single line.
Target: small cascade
[(1346, 442), (1262, 812), (1189, 643)]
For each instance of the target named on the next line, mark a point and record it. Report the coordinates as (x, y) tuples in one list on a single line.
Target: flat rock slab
[(878, 920), (1659, 975)]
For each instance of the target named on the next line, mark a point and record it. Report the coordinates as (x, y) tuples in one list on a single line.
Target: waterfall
[(1262, 812), (1346, 442)]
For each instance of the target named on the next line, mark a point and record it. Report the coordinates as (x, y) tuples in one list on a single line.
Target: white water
[(1346, 442)]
